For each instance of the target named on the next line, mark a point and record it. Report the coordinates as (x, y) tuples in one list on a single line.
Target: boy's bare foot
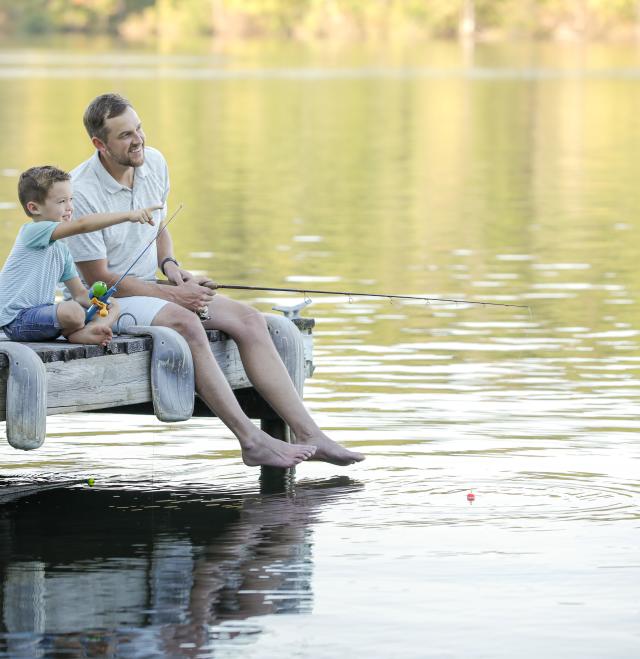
[(329, 451), (92, 334), (263, 450)]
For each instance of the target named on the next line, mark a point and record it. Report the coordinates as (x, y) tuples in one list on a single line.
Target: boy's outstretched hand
[(145, 215)]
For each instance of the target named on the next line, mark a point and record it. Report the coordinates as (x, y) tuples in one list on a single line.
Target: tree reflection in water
[(123, 573)]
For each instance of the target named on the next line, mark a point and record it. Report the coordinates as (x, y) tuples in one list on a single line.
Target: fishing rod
[(99, 294), (307, 291)]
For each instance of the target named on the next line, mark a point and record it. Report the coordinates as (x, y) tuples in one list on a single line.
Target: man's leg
[(269, 376), (258, 448)]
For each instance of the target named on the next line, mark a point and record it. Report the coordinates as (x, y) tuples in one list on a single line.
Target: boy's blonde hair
[(35, 183)]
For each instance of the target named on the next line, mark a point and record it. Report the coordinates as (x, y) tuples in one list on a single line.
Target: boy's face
[(57, 207)]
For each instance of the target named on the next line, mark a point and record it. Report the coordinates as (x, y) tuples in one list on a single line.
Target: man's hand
[(179, 276), (192, 296), (208, 283), (176, 275), (144, 215)]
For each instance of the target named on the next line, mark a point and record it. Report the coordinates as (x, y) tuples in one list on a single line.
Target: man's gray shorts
[(138, 310)]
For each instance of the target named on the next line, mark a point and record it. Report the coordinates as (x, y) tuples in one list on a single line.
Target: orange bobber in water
[(471, 497)]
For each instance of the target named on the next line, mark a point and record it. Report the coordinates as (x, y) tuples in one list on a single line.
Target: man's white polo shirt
[(96, 191)]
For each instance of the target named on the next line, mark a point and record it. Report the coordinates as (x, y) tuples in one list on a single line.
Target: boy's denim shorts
[(35, 324)]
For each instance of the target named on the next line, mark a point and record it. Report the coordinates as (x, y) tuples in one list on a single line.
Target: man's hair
[(35, 183), (105, 106)]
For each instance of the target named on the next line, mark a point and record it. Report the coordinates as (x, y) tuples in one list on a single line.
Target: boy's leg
[(38, 323), (71, 317)]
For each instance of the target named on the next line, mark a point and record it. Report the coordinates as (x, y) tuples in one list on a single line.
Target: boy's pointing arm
[(98, 221)]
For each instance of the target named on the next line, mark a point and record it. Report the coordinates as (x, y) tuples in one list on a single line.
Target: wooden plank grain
[(114, 380), (83, 378), (98, 382)]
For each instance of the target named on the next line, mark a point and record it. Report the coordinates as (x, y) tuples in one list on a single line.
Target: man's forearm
[(164, 246), (133, 286)]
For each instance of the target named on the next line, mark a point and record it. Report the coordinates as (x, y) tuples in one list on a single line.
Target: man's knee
[(183, 321), (253, 326), (256, 322)]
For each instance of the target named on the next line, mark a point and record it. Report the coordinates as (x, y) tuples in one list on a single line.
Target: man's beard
[(126, 161)]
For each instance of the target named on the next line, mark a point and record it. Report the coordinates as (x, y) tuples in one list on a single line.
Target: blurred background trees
[(140, 20)]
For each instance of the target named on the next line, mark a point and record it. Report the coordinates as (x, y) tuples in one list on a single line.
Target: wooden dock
[(148, 370)]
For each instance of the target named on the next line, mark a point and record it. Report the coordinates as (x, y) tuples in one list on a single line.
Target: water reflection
[(132, 573), (509, 177)]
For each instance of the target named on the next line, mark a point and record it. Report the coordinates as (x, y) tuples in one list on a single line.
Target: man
[(123, 174)]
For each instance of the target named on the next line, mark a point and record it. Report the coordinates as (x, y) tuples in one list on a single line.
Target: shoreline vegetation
[(327, 20)]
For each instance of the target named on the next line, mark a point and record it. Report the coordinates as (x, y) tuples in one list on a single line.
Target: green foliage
[(312, 18)]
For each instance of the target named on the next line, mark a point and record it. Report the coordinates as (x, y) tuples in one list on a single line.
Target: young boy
[(38, 261)]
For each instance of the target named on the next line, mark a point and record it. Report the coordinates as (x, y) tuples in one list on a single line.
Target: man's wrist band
[(169, 258)]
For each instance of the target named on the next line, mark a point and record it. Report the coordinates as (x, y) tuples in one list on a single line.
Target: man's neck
[(123, 174)]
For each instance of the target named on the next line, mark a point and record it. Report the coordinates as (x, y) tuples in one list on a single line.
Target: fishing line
[(100, 302), (351, 294), (164, 226)]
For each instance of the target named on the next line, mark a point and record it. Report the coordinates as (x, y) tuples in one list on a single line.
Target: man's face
[(125, 139)]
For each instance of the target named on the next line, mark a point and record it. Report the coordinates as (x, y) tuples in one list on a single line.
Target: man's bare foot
[(329, 451), (265, 451), (92, 334)]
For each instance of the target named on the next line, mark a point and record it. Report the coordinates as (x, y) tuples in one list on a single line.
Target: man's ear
[(99, 144), (33, 208)]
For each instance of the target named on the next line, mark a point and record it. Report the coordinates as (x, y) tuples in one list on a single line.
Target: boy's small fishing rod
[(308, 291), (100, 301)]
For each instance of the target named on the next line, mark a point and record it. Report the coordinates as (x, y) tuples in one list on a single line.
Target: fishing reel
[(203, 313), (99, 289)]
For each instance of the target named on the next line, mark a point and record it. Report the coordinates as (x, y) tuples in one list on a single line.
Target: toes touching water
[(263, 450), (266, 451), (329, 451)]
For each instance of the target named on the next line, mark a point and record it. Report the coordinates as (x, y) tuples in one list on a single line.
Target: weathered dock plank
[(121, 376), (76, 384)]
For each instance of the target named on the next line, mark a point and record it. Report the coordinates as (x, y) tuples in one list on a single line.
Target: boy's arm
[(78, 291), (99, 221)]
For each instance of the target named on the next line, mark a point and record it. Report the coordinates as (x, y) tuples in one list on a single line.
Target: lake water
[(505, 174)]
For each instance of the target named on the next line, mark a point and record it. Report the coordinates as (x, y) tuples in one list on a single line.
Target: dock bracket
[(172, 373), (293, 311), (26, 403)]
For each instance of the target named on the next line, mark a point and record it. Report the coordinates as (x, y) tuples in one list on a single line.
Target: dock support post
[(275, 479), (289, 344), (26, 402)]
